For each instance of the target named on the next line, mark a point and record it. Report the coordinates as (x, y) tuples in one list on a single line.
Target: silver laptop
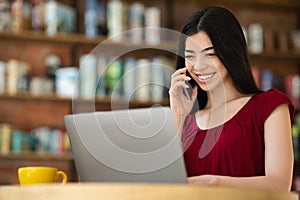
[(133, 145)]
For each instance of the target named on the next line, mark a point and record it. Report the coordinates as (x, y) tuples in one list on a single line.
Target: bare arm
[(278, 158)]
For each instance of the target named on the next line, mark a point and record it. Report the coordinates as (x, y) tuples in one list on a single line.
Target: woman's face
[(203, 64)]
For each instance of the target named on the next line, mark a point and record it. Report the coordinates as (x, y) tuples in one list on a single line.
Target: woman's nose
[(202, 63)]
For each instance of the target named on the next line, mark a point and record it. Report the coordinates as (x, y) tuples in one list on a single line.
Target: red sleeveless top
[(237, 147)]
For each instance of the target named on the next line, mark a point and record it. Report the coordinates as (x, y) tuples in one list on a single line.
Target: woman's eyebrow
[(189, 51), (207, 48)]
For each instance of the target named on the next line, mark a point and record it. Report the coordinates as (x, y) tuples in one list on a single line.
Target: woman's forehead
[(198, 41)]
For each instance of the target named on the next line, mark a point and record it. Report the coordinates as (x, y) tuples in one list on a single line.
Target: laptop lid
[(134, 145)]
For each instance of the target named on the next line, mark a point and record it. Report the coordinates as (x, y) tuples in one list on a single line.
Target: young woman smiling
[(233, 133)]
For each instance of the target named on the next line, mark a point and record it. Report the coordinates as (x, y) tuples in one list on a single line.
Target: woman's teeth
[(205, 77)]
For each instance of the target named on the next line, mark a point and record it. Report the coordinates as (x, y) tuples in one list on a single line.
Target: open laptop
[(133, 145)]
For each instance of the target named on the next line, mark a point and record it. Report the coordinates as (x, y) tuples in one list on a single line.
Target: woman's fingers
[(177, 85), (178, 81), (179, 71), (179, 76)]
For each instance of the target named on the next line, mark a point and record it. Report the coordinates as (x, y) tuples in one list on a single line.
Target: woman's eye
[(211, 54), (188, 56)]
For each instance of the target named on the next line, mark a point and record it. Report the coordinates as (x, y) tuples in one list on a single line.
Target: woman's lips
[(205, 77)]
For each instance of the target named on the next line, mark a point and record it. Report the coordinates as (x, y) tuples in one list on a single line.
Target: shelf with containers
[(27, 111), (69, 46)]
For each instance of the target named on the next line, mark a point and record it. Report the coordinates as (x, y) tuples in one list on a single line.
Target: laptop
[(133, 145)]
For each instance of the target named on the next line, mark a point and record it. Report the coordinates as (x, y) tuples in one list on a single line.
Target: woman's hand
[(180, 101)]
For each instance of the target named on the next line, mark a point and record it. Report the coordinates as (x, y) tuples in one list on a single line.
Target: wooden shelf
[(121, 101), (28, 97), (291, 55), (104, 100), (37, 156), (41, 37), (81, 39)]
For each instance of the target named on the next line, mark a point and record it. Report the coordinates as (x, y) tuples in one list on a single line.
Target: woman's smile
[(204, 78)]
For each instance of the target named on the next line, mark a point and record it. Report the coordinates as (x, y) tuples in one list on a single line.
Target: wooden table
[(114, 191)]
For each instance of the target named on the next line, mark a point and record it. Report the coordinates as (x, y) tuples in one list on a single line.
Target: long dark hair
[(230, 46)]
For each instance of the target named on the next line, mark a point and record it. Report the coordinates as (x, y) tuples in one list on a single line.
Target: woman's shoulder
[(272, 92), (266, 101), (272, 96)]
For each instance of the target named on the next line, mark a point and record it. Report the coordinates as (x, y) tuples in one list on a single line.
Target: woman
[(233, 133)]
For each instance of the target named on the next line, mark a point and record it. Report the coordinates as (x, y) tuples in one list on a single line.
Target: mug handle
[(63, 175)]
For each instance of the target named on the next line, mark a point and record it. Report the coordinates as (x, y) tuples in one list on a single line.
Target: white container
[(88, 76), (157, 79), (256, 38), (143, 87), (66, 82), (2, 77), (90, 18), (59, 18), (136, 13), (129, 78), (115, 20), (152, 24), (51, 19)]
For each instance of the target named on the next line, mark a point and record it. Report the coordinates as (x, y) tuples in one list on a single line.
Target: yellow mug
[(40, 175)]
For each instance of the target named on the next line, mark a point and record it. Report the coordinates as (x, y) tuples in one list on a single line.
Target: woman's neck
[(222, 95)]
